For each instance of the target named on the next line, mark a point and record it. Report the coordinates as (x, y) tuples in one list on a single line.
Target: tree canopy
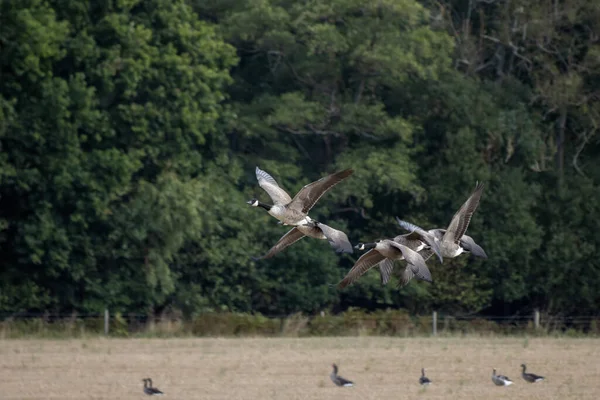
[(130, 130)]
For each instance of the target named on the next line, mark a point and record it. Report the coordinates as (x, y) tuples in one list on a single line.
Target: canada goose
[(423, 380), (295, 211), (338, 380), (337, 239), (386, 250), (453, 241), (419, 239), (529, 377), (149, 390), (500, 380)]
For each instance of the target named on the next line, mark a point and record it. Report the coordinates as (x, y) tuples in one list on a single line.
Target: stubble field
[(289, 368)]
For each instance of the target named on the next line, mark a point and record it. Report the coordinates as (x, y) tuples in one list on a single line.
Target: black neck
[(265, 206)]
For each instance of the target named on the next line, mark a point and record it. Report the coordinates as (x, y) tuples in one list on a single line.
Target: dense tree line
[(130, 129)]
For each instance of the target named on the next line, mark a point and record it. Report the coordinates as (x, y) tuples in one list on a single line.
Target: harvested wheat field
[(288, 368)]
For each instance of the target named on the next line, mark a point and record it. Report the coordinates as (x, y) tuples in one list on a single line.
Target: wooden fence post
[(106, 319), (434, 323), (536, 319)]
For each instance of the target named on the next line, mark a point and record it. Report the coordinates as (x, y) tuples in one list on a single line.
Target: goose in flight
[(337, 239), (295, 211), (453, 241), (383, 253)]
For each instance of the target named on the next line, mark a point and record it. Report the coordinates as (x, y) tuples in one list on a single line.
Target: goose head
[(364, 246), (335, 368), (253, 202), (524, 367)]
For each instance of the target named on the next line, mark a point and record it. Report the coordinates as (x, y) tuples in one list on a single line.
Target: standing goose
[(337, 239), (338, 380), (149, 390), (423, 380), (500, 380), (530, 377), (295, 211), (453, 241), (384, 253)]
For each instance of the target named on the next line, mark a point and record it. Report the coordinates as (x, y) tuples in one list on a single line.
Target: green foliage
[(130, 130)]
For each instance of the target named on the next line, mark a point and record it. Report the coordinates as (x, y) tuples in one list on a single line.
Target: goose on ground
[(384, 253), (337, 239), (149, 390), (530, 377), (423, 380), (453, 241), (338, 380), (295, 211), (500, 380)]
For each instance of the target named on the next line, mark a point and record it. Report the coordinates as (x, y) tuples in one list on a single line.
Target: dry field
[(288, 368)]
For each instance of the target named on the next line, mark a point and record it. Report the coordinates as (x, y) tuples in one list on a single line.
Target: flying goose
[(337, 239), (453, 241), (149, 390), (529, 377), (500, 380), (409, 240), (384, 253), (295, 211), (338, 380), (423, 380)]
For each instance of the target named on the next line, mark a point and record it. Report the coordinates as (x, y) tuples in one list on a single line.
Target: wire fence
[(396, 323)]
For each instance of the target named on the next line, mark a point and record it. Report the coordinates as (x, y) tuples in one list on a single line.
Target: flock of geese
[(499, 380), (416, 247)]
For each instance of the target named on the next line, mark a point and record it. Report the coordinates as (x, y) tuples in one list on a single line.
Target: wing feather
[(362, 265), (279, 196), (306, 198), (291, 237), (461, 219), (336, 238)]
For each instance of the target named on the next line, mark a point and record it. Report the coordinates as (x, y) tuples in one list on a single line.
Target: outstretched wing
[(336, 238), (311, 193), (415, 262), (416, 232), (291, 237), (386, 267), (362, 265), (269, 184), (469, 244), (460, 221)]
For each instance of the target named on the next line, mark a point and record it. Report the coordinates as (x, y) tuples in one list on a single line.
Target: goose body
[(530, 377), (500, 380), (338, 380), (452, 241), (149, 390), (337, 239), (294, 211), (384, 253), (423, 380)]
